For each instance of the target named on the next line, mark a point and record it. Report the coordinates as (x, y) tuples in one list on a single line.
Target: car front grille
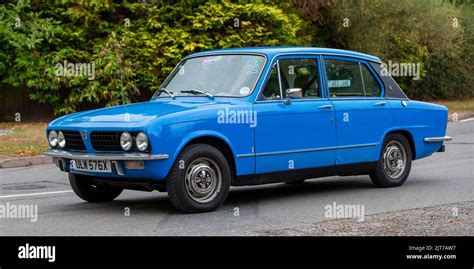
[(73, 140), (106, 141), (110, 141)]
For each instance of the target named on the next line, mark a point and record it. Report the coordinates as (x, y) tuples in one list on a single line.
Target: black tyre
[(394, 163), (199, 180), (86, 188)]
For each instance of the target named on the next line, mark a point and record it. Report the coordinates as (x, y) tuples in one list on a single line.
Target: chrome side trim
[(438, 139), (357, 146), (247, 155), (104, 156), (304, 150)]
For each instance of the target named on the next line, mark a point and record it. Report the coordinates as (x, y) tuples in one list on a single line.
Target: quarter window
[(351, 79)]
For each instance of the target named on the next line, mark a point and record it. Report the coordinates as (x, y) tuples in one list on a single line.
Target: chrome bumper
[(114, 158), (136, 156), (438, 139)]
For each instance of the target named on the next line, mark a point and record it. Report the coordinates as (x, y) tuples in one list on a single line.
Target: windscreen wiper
[(193, 91), (166, 91)]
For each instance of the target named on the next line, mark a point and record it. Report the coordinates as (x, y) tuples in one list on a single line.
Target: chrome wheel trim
[(203, 180), (394, 160)]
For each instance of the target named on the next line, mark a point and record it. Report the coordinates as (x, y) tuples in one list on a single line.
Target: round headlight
[(61, 140), (53, 138), (126, 141), (142, 141)]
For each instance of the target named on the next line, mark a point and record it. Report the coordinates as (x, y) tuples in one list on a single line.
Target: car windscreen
[(216, 75)]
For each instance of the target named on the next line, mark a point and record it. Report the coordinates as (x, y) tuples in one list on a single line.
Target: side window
[(350, 79), (299, 78), (372, 86)]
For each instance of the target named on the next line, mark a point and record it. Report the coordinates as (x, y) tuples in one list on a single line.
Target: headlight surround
[(61, 140), (126, 141), (142, 141), (53, 138)]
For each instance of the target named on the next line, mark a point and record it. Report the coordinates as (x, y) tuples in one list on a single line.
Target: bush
[(133, 46), (404, 31)]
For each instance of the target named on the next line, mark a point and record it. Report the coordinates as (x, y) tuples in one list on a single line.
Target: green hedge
[(437, 35), (135, 44)]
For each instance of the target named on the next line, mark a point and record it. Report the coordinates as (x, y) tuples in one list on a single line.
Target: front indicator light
[(134, 165)]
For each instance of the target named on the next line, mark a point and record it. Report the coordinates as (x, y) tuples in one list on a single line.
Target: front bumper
[(136, 156), (62, 158)]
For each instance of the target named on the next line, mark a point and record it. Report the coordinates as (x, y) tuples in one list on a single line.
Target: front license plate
[(100, 166)]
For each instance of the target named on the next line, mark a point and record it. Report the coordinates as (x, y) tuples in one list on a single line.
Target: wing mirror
[(293, 93)]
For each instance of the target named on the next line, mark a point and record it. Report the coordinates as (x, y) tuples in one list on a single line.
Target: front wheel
[(199, 181), (394, 163), (86, 188)]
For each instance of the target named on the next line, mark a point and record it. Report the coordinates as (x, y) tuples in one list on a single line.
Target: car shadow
[(243, 196)]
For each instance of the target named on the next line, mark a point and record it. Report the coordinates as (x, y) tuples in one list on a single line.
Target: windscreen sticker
[(341, 83), (244, 90), (255, 67)]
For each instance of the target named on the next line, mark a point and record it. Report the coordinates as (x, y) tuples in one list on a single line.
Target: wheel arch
[(217, 141), (408, 136)]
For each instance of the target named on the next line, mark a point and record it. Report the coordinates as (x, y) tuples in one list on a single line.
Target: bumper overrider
[(62, 157), (438, 139)]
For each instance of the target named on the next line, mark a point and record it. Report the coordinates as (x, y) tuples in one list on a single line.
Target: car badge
[(84, 134)]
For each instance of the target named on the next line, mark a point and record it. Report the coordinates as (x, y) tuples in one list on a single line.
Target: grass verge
[(460, 106), (22, 139)]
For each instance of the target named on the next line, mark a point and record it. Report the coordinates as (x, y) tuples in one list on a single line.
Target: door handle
[(325, 107), (380, 103)]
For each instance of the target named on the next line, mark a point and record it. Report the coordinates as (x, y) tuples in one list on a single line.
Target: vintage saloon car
[(250, 116)]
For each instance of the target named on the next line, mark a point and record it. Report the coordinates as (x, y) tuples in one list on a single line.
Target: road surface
[(440, 179)]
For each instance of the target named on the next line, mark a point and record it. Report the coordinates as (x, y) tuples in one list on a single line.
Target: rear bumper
[(438, 139)]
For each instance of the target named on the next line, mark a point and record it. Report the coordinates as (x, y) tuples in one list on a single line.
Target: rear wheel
[(87, 189), (394, 163), (199, 180)]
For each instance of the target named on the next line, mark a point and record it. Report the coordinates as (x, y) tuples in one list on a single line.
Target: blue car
[(250, 116)]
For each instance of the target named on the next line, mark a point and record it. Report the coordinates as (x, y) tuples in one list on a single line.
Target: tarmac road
[(440, 179)]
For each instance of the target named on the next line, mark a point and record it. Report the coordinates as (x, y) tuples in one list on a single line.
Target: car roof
[(273, 51)]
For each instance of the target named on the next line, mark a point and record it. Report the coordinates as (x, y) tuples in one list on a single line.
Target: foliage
[(420, 32), (133, 45)]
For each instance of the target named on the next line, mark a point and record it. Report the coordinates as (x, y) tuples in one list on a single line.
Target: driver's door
[(295, 120)]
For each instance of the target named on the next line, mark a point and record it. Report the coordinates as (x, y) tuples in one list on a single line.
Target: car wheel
[(199, 180), (86, 188), (394, 163)]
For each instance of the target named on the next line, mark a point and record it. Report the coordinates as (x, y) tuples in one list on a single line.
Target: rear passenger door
[(362, 114)]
